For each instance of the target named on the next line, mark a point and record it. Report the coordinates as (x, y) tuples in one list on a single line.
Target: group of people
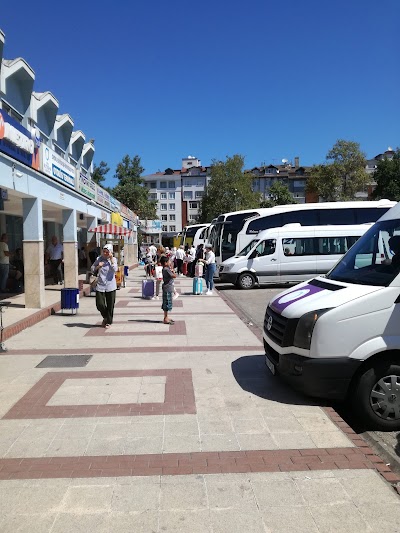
[(165, 265)]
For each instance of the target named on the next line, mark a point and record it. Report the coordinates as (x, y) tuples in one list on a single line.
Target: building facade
[(45, 180), (178, 194)]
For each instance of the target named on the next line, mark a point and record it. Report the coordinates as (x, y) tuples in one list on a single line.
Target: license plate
[(270, 365)]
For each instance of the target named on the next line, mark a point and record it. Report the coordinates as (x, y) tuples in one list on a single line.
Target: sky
[(266, 79)]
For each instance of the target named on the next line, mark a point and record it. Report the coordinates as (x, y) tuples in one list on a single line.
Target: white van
[(292, 253), (338, 336)]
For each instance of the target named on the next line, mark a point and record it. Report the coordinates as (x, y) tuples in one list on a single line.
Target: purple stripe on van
[(294, 296)]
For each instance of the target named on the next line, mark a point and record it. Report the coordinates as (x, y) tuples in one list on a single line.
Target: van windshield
[(247, 248), (374, 259)]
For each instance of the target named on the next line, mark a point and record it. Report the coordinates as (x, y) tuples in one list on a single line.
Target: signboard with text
[(87, 187), (56, 167), (17, 142)]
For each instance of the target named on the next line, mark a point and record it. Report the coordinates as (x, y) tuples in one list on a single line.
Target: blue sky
[(264, 78)]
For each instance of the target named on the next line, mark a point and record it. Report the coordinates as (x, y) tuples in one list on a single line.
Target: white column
[(33, 253)]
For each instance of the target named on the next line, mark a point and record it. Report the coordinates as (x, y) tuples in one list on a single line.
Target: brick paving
[(174, 428)]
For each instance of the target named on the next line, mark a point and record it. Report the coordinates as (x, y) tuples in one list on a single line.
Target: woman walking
[(209, 261), (105, 267)]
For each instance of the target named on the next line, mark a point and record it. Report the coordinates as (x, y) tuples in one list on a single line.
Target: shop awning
[(111, 229)]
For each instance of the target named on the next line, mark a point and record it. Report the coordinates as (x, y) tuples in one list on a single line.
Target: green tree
[(342, 176), (279, 195), (130, 190), (387, 177), (99, 172), (229, 189)]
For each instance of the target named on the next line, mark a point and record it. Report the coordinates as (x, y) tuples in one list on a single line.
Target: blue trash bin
[(126, 271), (70, 299)]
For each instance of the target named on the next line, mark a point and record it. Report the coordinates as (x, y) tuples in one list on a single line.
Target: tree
[(387, 177), (279, 195), (229, 189), (343, 175), (130, 190), (99, 172)]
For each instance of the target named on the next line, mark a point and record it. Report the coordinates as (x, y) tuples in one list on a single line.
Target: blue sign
[(16, 141)]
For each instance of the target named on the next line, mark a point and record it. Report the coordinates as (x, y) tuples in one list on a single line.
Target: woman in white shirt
[(209, 260)]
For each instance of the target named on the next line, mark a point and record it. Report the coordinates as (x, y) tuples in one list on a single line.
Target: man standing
[(180, 255), (153, 251), (4, 262), (54, 256)]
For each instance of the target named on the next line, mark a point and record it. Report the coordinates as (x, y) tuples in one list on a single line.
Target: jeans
[(210, 275), (4, 269)]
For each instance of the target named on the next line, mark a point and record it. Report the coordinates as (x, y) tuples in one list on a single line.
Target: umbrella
[(112, 229)]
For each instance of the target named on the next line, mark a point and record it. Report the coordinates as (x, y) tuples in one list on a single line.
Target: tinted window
[(337, 216), (307, 217), (369, 214), (299, 246), (261, 223)]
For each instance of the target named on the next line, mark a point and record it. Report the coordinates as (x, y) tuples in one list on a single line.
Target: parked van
[(292, 253), (338, 336)]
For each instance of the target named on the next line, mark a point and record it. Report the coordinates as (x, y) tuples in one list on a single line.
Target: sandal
[(169, 322), (108, 326)]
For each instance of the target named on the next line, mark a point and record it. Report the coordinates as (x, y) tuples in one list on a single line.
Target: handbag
[(93, 283)]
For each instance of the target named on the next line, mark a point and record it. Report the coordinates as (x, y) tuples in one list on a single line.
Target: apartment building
[(178, 194), (293, 176)]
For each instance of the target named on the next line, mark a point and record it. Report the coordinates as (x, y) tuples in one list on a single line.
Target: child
[(167, 289)]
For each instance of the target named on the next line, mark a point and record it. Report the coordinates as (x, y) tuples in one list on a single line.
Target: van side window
[(266, 247), (298, 246), (335, 245)]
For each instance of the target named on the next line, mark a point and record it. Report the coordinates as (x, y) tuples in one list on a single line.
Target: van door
[(264, 261), (298, 258)]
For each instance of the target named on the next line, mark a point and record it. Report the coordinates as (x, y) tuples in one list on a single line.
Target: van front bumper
[(321, 378), (228, 277)]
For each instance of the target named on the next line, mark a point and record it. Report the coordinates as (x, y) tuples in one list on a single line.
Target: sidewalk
[(148, 427)]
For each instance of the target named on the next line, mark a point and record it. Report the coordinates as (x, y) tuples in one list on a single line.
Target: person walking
[(180, 255), (54, 256), (209, 261), (4, 262), (167, 289), (105, 268)]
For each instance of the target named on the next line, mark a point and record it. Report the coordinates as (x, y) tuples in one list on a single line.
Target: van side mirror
[(253, 254)]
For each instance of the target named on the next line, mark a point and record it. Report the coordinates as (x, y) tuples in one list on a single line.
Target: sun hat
[(108, 247), (207, 245)]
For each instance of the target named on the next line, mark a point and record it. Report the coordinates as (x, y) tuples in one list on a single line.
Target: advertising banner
[(87, 187), (115, 205), (56, 167), (150, 226), (17, 142)]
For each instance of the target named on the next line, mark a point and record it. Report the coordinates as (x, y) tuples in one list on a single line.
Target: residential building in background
[(293, 176), (178, 194)]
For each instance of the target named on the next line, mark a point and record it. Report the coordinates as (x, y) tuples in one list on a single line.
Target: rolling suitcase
[(147, 288), (198, 270), (197, 285)]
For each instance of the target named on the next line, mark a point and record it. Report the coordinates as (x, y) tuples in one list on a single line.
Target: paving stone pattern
[(174, 428)]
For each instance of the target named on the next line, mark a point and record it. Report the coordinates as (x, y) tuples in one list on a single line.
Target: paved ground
[(173, 428)]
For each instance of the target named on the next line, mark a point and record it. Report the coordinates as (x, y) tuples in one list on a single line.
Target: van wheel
[(245, 281), (377, 397)]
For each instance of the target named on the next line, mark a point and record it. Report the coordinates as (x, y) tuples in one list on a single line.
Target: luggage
[(158, 273), (147, 288), (198, 270), (197, 285), (184, 269)]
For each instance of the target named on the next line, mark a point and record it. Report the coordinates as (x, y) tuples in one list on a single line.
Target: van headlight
[(305, 327), (226, 268)]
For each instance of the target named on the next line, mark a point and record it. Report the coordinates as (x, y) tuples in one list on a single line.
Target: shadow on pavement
[(253, 376), (147, 321), (82, 325)]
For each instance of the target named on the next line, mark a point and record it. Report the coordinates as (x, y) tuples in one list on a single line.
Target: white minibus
[(290, 254), (231, 232), (194, 234), (338, 336)]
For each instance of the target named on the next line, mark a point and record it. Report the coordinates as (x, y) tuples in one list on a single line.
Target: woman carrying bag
[(105, 268)]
